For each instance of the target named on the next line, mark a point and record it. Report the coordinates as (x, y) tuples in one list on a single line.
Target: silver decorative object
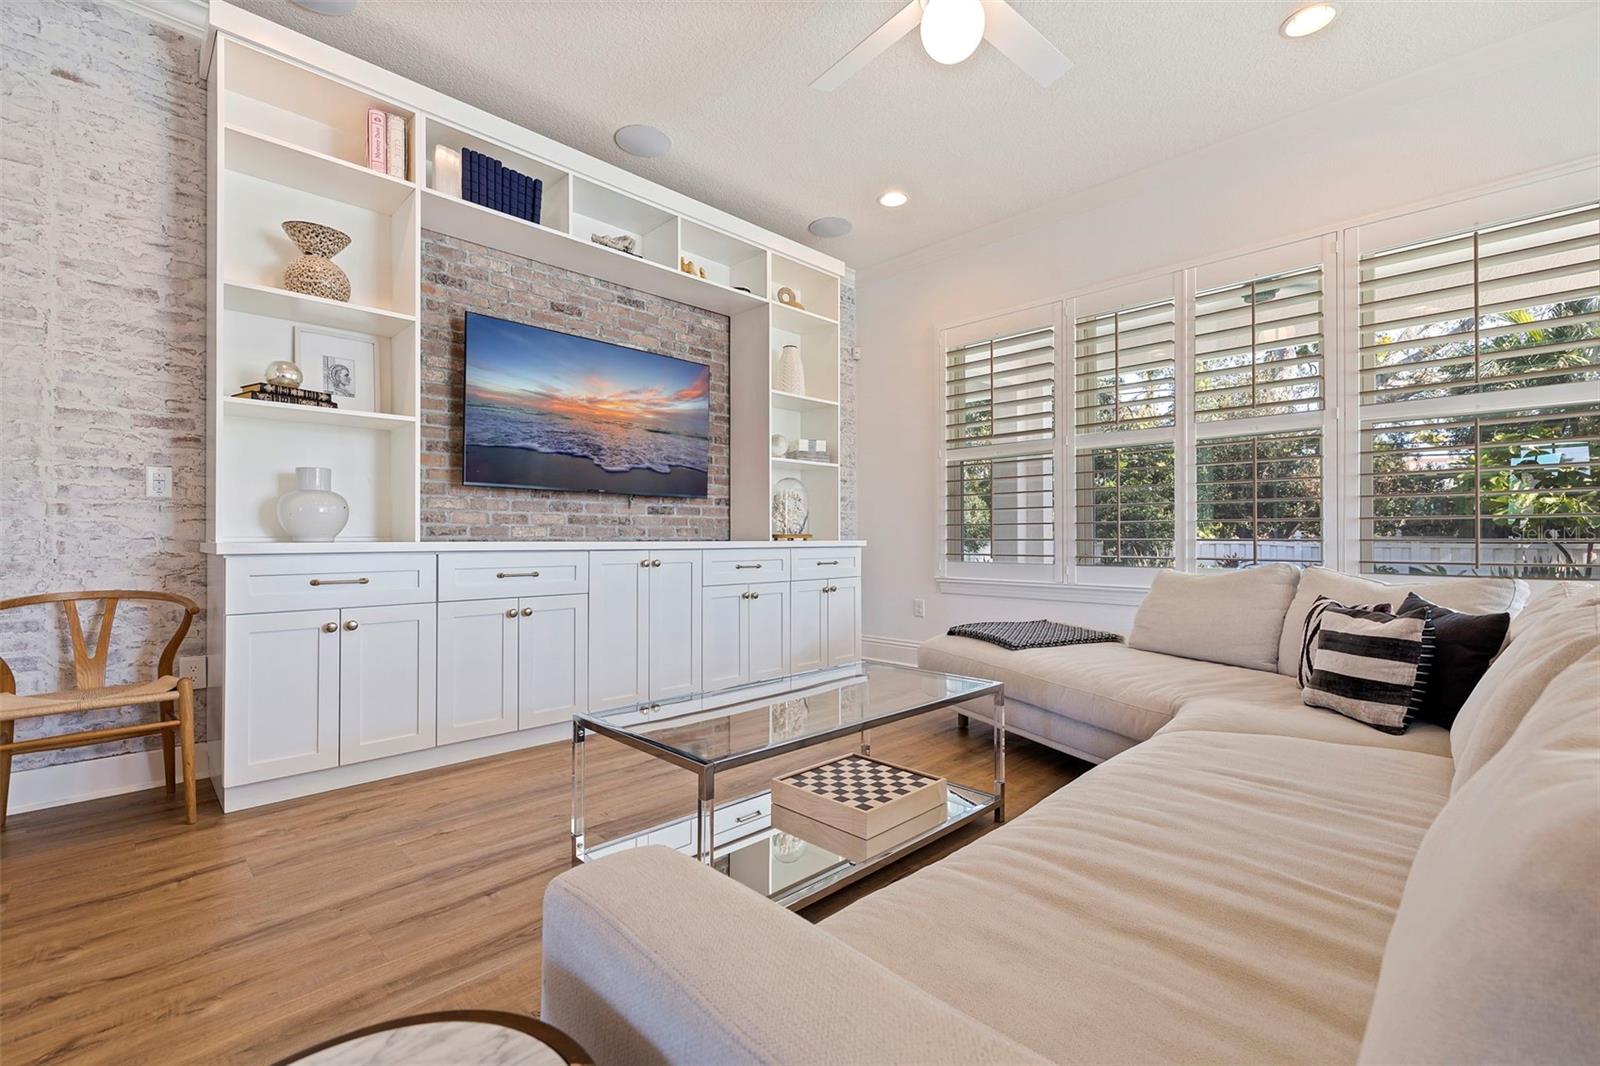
[(284, 373), (314, 273), (621, 242), (791, 507), (312, 511), (780, 445)]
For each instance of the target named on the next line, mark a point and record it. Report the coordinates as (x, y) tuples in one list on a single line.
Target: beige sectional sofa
[(1258, 881)]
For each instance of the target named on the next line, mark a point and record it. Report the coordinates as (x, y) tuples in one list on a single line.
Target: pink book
[(377, 141)]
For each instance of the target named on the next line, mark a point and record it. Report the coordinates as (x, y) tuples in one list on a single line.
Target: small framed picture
[(339, 362)]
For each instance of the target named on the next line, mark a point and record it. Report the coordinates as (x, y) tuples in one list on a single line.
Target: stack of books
[(488, 183), (284, 394), (386, 143)]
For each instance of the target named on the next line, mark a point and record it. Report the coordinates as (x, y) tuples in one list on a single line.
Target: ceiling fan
[(952, 31)]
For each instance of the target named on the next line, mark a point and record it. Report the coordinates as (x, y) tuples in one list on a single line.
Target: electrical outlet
[(158, 482), (919, 608), (194, 668)]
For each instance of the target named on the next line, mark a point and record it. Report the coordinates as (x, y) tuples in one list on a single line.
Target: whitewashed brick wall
[(102, 330)]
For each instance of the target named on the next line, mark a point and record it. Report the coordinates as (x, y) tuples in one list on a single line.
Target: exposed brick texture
[(457, 277), (102, 334), (849, 358)]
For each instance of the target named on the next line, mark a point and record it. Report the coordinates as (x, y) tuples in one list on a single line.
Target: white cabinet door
[(843, 603), (554, 652), (767, 632), (619, 583), (673, 638), (724, 659), (477, 669), (807, 626), (282, 695), (386, 681)]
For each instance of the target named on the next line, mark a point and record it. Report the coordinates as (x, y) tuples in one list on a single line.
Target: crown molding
[(185, 16)]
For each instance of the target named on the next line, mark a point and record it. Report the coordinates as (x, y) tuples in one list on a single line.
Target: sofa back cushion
[(1552, 597), (1494, 955), (1474, 595), (1234, 617), (1517, 680)]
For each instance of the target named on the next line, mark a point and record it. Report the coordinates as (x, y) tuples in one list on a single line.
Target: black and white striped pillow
[(1371, 665), (1308, 640)]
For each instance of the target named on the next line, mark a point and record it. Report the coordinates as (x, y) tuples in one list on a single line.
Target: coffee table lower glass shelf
[(791, 860)]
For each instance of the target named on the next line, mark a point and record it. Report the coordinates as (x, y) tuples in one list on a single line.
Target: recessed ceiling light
[(951, 29), (832, 226), (1308, 20), (893, 198), (645, 141)]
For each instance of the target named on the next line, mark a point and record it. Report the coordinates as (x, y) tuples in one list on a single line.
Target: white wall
[(1523, 107)]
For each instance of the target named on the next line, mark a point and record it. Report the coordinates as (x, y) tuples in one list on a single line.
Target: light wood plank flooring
[(127, 936)]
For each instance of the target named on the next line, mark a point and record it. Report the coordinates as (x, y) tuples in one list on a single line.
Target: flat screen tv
[(547, 410)]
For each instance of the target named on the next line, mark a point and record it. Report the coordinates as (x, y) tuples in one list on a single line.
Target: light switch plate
[(158, 482)]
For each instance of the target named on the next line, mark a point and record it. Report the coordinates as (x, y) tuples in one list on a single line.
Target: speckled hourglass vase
[(314, 273)]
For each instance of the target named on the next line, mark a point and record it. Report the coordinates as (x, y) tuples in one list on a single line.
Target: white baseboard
[(74, 782), (891, 649)]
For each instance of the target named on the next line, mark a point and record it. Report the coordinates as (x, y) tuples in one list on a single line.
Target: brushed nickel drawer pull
[(755, 595), (655, 562), (316, 581), (827, 562), (747, 566), (644, 562), (352, 625), (514, 573), (746, 817), (527, 612), (511, 612), (330, 627)]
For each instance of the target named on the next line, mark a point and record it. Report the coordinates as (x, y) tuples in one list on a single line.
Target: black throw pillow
[(1464, 646)]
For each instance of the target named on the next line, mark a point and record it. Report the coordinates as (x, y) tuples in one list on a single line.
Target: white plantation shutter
[(1258, 499), (1258, 347), (1495, 308), (1124, 368), (1001, 510), (1483, 494), (1001, 390), (1125, 509)]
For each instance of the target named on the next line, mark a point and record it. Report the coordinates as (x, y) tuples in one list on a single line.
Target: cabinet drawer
[(742, 566), (490, 575), (826, 562), (256, 584)]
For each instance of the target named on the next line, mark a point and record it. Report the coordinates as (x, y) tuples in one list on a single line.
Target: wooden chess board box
[(848, 846), (860, 795)]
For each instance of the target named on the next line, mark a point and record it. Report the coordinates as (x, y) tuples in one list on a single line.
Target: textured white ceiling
[(972, 144)]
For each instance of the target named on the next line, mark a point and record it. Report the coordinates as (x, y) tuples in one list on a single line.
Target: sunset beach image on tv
[(548, 410)]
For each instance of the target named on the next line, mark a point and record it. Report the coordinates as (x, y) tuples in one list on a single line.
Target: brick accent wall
[(457, 277), (102, 327)]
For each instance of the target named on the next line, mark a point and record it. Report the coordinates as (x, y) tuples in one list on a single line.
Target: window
[(1258, 347), (1125, 507), (1001, 510), (1258, 499), (1123, 368), (1001, 390), (1497, 308), (1505, 494)]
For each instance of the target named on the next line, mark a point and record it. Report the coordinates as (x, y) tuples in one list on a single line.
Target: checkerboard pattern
[(858, 782)]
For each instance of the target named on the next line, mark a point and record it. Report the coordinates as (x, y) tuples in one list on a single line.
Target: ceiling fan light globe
[(951, 29)]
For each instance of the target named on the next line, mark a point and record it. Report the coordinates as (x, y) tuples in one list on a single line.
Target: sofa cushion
[(1514, 683), (1463, 647), (1372, 666), (1222, 715), (1495, 951), (1203, 897), (1233, 617), (1475, 595), (1112, 686), (1552, 597)]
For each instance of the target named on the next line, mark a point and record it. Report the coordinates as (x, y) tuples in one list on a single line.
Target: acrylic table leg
[(578, 735), (866, 742), (706, 815), (1000, 755), (963, 722)]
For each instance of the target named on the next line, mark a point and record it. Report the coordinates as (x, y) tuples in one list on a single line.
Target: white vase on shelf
[(791, 372), (312, 511)]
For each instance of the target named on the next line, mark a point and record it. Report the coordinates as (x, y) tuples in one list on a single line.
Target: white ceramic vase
[(791, 373), (313, 511)]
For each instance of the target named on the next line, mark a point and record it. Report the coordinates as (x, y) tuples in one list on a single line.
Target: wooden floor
[(127, 936)]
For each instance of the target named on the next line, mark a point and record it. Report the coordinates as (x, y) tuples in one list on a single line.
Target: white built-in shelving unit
[(288, 141)]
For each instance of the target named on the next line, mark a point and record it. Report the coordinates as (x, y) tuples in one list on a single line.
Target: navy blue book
[(496, 173), (508, 199), (538, 197), (525, 198), (480, 179), (469, 183)]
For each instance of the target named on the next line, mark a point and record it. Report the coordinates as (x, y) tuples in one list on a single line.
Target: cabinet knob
[(330, 627), (511, 612), (644, 562), (755, 595), (744, 595), (655, 562), (527, 612), (352, 625)]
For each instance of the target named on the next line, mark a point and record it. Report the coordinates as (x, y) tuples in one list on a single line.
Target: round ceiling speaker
[(644, 141), (832, 226)]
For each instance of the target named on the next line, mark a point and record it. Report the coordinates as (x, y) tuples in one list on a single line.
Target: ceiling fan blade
[(1019, 42), (878, 42)]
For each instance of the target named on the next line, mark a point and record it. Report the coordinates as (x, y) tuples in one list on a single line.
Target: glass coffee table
[(738, 836)]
